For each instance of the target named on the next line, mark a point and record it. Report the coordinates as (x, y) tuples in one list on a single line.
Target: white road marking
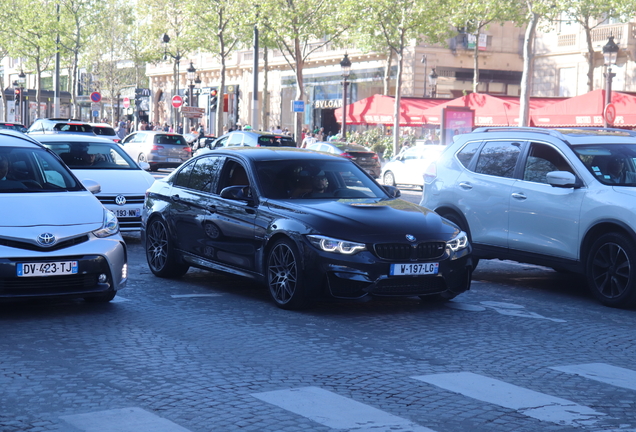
[(527, 402), (604, 373), (119, 299), (195, 295), (337, 412), (122, 420), (509, 309)]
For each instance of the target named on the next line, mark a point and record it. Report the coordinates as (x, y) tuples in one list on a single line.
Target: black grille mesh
[(406, 251)]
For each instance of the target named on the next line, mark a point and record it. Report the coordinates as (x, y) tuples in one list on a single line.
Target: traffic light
[(214, 100), (185, 100), (18, 95)]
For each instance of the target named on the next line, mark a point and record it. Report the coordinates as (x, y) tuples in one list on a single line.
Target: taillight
[(375, 156), (431, 173), (156, 147), (347, 155), (188, 149)]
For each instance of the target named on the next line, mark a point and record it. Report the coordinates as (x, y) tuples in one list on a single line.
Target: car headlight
[(458, 243), (109, 227), (328, 244)]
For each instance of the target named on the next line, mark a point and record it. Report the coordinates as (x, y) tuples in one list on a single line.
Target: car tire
[(611, 270), (102, 298), (160, 252), (388, 179), (284, 276), (457, 220)]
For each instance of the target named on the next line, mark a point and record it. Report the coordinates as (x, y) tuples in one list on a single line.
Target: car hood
[(117, 181), (369, 220)]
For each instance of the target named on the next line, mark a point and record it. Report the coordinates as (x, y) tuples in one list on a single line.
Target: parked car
[(105, 130), (252, 138), (60, 125), (368, 160), (408, 167), (203, 142), (123, 182), (13, 126), (159, 149), (57, 240), (305, 224), (557, 198)]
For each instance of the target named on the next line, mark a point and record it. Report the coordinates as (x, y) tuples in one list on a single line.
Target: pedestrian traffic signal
[(214, 100)]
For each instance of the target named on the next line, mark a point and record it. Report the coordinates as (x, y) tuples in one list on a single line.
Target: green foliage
[(375, 140)]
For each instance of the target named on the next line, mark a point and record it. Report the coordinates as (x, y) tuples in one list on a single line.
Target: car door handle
[(175, 198), (212, 208), (519, 196), (466, 186)]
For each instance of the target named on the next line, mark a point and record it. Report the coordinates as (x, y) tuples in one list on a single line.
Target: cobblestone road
[(527, 349)]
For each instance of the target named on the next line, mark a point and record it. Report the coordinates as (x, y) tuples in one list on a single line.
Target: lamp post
[(345, 66), (610, 52), (16, 101), (22, 80), (177, 59), (432, 80), (191, 75), (425, 63)]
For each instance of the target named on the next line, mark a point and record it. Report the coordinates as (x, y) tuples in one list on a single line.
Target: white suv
[(561, 198)]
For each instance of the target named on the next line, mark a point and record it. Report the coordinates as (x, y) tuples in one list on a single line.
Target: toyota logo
[(46, 239), (120, 200), (410, 238)]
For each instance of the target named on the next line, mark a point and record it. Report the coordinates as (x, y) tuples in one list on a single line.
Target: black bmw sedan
[(302, 223)]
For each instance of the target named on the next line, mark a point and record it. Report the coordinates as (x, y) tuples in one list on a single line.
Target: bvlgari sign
[(328, 103)]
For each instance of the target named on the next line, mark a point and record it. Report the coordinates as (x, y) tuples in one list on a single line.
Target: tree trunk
[(396, 109), (265, 107), (590, 57), (526, 79), (387, 73), (476, 64), (300, 88)]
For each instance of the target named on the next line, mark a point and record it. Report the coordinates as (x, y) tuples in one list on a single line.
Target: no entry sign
[(177, 101), (126, 102)]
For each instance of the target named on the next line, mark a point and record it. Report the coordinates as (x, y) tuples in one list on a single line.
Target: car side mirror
[(92, 186), (392, 191), (562, 179), (239, 193), (144, 165)]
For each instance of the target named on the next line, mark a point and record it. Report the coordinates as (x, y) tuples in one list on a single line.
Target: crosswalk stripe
[(337, 412), (604, 373), (528, 402), (122, 420)]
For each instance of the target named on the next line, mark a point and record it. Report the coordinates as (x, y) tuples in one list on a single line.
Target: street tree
[(301, 27), (401, 24), (29, 31)]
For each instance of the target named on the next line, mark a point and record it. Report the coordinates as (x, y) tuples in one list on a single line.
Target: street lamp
[(175, 70), (610, 52), (22, 80), (432, 80), (16, 101), (191, 75), (345, 66), (425, 63)]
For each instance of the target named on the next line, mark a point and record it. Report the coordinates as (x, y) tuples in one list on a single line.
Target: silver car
[(57, 240), (409, 166), (158, 149), (565, 199)]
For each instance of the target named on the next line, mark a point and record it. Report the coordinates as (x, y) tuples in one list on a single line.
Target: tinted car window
[(16, 127), (498, 158), (35, 170), (276, 141), (541, 160), (170, 139), (610, 164), (73, 127), (204, 173), (91, 155), (465, 155), (100, 130)]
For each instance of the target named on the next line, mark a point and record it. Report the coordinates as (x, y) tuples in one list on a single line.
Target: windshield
[(15, 127), (316, 179), (611, 164), (73, 127), (92, 155), (33, 170), (275, 141), (103, 130)]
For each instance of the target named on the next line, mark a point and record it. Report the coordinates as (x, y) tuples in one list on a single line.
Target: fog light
[(102, 278), (124, 272)]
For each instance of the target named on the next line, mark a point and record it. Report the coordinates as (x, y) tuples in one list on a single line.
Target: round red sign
[(177, 101), (96, 97), (126, 102), (610, 113)]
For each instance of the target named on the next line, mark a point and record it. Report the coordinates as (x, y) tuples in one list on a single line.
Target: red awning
[(489, 110), (586, 110), (379, 109)]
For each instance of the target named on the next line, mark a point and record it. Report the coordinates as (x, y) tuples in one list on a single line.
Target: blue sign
[(95, 113), (298, 106)]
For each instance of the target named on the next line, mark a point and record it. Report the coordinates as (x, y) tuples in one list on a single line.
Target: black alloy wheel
[(611, 270), (284, 278), (160, 251)]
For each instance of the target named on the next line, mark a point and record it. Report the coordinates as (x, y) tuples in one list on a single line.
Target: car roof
[(71, 137), (11, 138), (156, 132), (573, 136), (272, 153)]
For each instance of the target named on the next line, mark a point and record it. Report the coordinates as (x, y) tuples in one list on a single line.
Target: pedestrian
[(121, 129), (180, 129)]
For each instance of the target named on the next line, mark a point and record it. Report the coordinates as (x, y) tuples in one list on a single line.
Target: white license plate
[(414, 269), (127, 212), (47, 268), (174, 160)]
